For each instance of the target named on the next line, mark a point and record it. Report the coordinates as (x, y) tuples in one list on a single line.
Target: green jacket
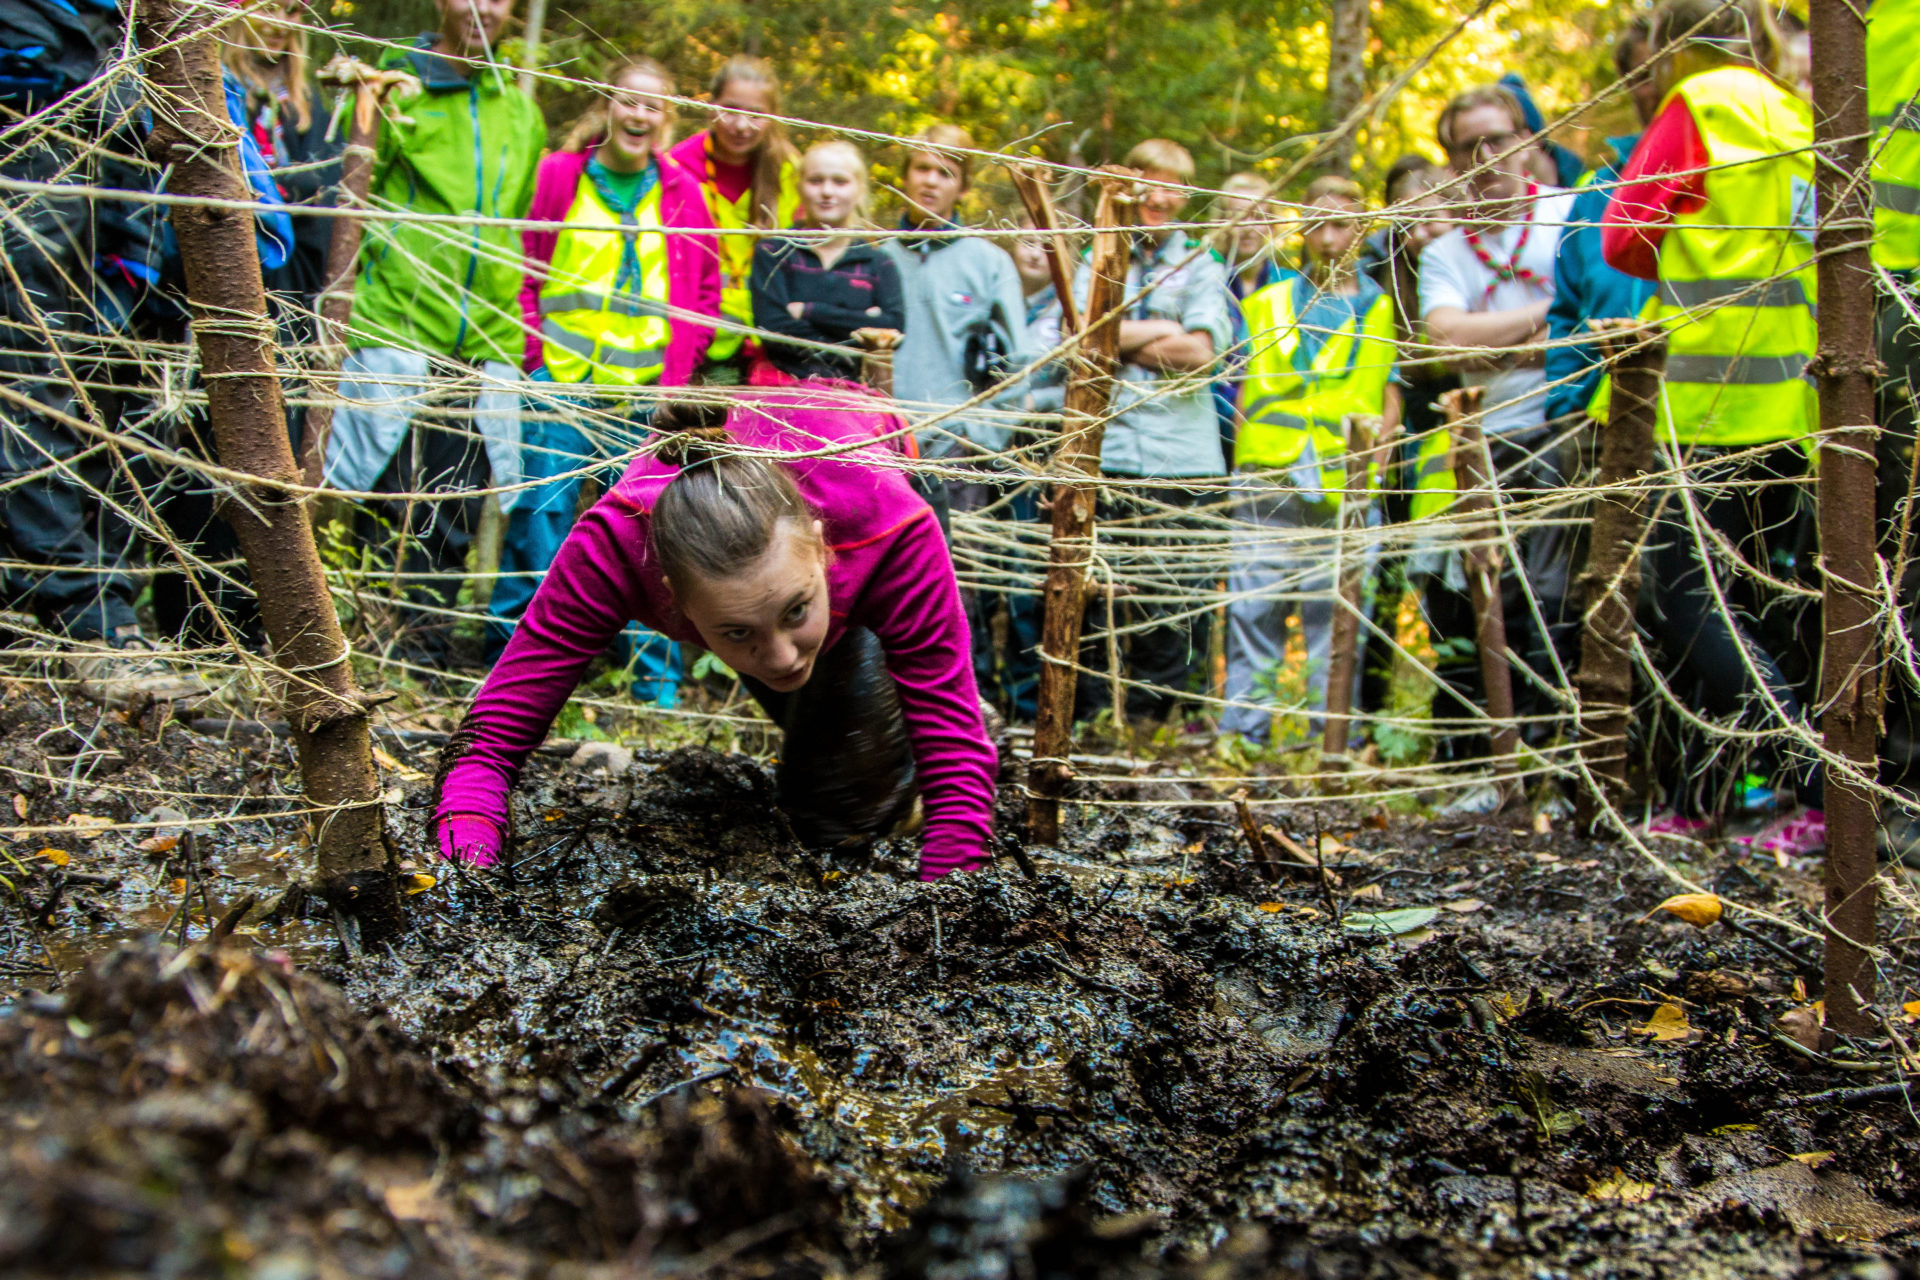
[(459, 147)]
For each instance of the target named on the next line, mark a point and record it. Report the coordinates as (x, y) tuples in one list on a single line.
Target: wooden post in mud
[(1846, 370), (1362, 453), (193, 138), (1473, 477), (343, 250), (1076, 463), (1636, 362)]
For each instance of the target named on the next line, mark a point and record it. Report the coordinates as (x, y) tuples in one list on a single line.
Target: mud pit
[(671, 1041)]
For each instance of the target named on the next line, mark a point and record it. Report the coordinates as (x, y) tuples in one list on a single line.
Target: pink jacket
[(693, 261)]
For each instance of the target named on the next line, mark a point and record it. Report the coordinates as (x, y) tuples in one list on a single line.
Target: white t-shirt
[(1452, 276)]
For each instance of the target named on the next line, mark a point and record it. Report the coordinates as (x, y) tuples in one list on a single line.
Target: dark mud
[(669, 1039)]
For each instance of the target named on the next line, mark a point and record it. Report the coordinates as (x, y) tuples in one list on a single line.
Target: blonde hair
[(840, 146), (774, 152), (1333, 184), (243, 58), (592, 125), (1162, 156), (1487, 95), (936, 136)]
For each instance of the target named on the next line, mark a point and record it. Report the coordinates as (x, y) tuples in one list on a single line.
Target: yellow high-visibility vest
[(596, 327), (1736, 292), (736, 251), (1893, 104), (1296, 418)]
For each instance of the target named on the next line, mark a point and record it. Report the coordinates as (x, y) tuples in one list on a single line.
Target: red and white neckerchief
[(1511, 268)]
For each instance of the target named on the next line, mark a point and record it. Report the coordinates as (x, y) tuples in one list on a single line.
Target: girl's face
[(831, 186), (769, 620), (1251, 236), (635, 116), (269, 33), (738, 135), (1331, 238)]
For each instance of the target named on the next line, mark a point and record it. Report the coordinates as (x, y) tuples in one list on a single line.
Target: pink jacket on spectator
[(693, 261)]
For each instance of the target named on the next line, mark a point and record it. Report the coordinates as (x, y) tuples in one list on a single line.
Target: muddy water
[(1145, 1025)]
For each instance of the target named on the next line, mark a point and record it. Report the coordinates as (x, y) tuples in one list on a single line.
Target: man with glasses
[(1485, 287)]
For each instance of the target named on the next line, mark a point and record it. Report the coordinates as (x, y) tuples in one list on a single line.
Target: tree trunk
[(1846, 368), (531, 35), (1352, 559), (1473, 476), (235, 337), (1347, 23), (1637, 359), (1070, 551), (336, 300)]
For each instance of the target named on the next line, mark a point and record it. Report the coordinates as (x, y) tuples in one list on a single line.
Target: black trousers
[(1169, 652), (1900, 352), (846, 770), (1757, 506), (70, 547)]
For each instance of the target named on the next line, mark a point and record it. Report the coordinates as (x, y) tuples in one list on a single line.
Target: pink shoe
[(1672, 824), (1795, 836)]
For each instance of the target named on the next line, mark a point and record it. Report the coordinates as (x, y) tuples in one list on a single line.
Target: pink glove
[(469, 838)]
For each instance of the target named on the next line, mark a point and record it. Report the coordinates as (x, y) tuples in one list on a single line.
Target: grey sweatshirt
[(954, 286)]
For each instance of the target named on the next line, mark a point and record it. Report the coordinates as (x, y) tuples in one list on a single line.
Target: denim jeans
[(556, 451)]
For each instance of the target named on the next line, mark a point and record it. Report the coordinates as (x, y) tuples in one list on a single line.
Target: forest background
[(1244, 84)]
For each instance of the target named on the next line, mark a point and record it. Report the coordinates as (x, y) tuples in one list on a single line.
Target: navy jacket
[(1586, 288)]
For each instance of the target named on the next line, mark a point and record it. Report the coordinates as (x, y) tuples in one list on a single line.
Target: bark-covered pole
[(1637, 361), (1361, 455), (1473, 476), (1076, 462), (235, 336), (343, 249), (1846, 369)]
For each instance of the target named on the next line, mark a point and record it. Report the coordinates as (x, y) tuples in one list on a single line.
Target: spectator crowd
[(482, 357)]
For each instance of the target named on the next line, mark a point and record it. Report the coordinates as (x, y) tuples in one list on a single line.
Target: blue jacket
[(1586, 288)]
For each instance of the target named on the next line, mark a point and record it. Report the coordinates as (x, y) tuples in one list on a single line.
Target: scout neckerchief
[(736, 275), (1511, 268), (623, 198)]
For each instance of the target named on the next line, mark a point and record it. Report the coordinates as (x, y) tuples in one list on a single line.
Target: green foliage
[(1240, 84)]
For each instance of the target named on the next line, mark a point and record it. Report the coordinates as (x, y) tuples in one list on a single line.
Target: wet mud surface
[(670, 1040)]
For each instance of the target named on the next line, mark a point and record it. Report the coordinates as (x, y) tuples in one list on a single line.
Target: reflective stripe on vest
[(596, 328), (1736, 275), (736, 251), (1295, 419), (1893, 107)]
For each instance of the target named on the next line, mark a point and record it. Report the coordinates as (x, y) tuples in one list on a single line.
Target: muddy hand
[(468, 838)]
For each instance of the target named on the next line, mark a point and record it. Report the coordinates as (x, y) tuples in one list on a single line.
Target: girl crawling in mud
[(823, 581)]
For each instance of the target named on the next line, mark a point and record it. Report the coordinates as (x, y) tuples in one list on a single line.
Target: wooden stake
[(1038, 200), (1361, 455), (1636, 361), (1070, 550), (1846, 370), (1473, 477), (193, 138), (343, 250)]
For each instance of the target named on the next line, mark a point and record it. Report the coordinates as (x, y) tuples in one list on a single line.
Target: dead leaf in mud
[(1414, 938), (179, 884), (420, 883), (90, 826), (1272, 908), (1726, 1129), (158, 844), (1697, 909), (19, 806), (1912, 1010), (1464, 906), (1802, 1025), (1368, 891), (1536, 1101), (410, 1201), (1813, 1159), (1378, 923), (1618, 1186), (1669, 1022), (58, 857), (1543, 823)]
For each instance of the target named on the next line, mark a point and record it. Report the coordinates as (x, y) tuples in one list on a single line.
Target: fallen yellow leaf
[(1619, 1186), (1697, 909), (1669, 1022), (179, 884), (1726, 1129), (158, 844), (1813, 1159), (1368, 891), (19, 806), (58, 857), (1273, 908), (420, 882), (90, 826), (1464, 906), (1912, 1009)]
